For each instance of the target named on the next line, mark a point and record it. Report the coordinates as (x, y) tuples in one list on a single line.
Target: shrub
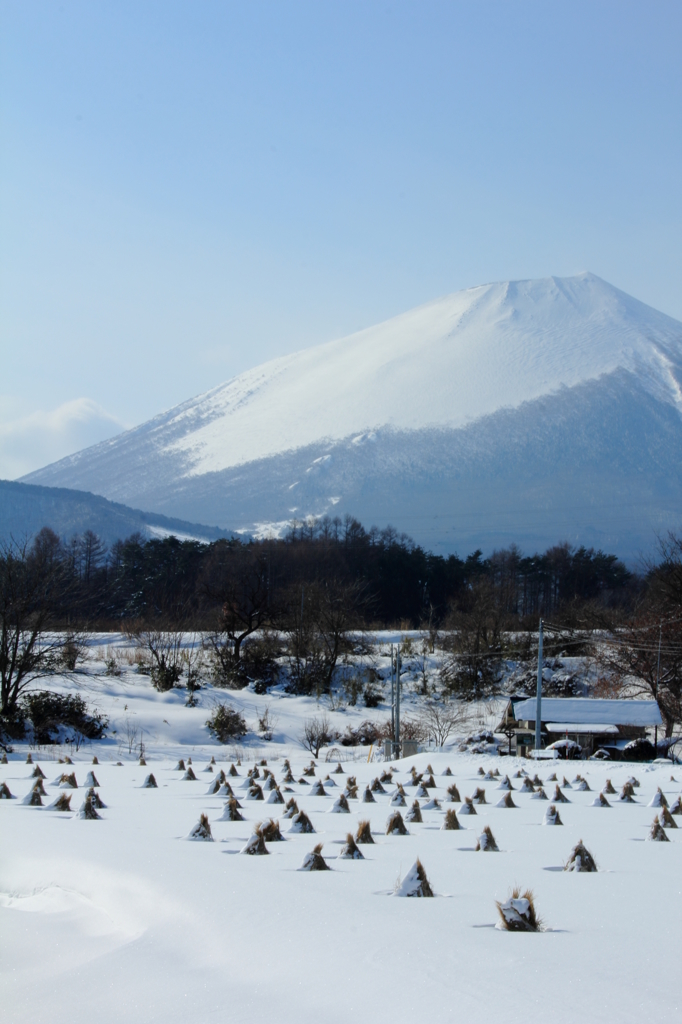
[(226, 723), (372, 696), (51, 713), (363, 735)]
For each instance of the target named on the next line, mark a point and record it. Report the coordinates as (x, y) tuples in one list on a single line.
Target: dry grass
[(368, 796), (150, 782), (559, 797), (180, 766), (63, 803), (479, 796), (453, 794)]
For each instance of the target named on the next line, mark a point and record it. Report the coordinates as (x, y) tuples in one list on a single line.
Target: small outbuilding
[(589, 723)]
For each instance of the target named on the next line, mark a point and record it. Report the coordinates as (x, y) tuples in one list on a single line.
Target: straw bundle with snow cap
[(415, 883), (517, 913)]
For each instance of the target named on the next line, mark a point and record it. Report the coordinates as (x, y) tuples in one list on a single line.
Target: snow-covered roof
[(582, 727), (586, 711)]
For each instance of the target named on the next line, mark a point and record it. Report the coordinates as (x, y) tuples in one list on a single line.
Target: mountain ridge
[(446, 397)]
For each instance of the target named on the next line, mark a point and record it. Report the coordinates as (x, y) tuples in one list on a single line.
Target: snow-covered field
[(126, 919)]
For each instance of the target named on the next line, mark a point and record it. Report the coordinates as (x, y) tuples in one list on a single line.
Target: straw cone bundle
[(350, 851), (580, 859), (314, 861), (517, 914), (486, 841), (450, 822), (364, 833), (395, 826)]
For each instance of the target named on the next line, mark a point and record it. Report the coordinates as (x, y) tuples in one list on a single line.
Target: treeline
[(394, 581), (301, 605)]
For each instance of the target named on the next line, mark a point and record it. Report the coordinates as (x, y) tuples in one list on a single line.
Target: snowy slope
[(457, 390)]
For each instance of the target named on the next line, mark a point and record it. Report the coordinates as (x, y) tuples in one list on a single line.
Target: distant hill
[(26, 508), (526, 411)]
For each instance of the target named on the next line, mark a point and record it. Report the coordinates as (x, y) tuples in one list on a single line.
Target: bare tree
[(164, 649), (441, 719), (629, 656), (31, 585), (236, 578), (322, 620), (317, 732), (472, 667)]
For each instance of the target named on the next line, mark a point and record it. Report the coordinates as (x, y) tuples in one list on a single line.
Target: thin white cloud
[(34, 440)]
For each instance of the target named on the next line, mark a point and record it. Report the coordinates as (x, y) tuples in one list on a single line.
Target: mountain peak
[(434, 376)]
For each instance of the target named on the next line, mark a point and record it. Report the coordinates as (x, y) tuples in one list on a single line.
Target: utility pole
[(397, 702), (538, 695), (658, 676), (392, 702)]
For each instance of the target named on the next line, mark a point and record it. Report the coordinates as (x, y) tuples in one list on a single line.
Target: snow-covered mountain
[(531, 411)]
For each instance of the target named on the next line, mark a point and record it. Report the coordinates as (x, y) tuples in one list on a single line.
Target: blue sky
[(188, 189)]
